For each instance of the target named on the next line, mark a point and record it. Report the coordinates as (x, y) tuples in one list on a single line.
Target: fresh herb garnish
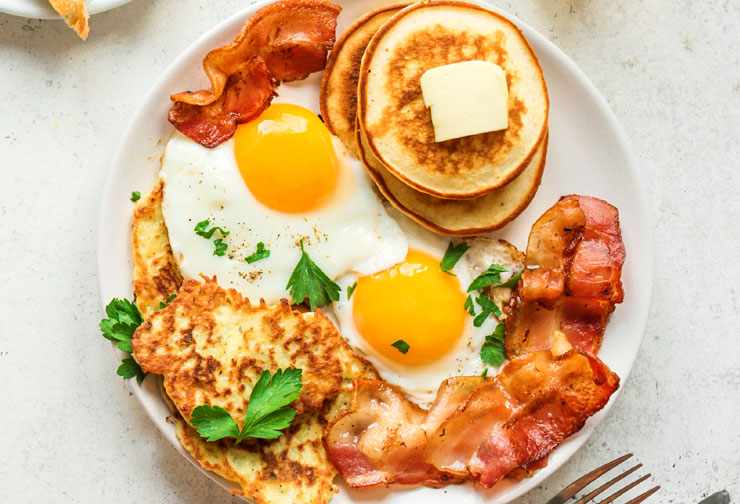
[(510, 283), (167, 301), (129, 368), (135, 195), (484, 373), (308, 282), (219, 247), (493, 351), (401, 346), (351, 289), (201, 230), (267, 411), (123, 319), (452, 255), (487, 307), (491, 276), (469, 306), (262, 253)]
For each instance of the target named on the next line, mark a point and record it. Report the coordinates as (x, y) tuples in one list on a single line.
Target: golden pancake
[(458, 217), (397, 124), (338, 98)]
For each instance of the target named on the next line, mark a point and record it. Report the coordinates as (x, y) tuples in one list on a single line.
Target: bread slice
[(397, 124), (74, 14), (338, 98), (458, 217)]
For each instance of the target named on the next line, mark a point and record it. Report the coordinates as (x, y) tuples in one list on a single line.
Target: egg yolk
[(287, 159), (413, 301)]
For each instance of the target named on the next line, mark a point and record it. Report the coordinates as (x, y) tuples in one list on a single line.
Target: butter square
[(466, 98)]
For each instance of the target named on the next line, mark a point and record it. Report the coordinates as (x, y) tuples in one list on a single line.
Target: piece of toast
[(74, 14)]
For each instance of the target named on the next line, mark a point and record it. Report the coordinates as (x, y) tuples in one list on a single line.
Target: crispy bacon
[(519, 417), (248, 92), (381, 439), (476, 429), (572, 281), (285, 41)]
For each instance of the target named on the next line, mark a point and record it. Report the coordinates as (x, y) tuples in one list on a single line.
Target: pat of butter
[(466, 98)]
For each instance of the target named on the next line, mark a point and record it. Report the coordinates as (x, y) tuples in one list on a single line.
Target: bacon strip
[(381, 439), (574, 262), (284, 41), (476, 429), (517, 419)]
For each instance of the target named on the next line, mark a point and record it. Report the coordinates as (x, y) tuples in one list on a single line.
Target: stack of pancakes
[(371, 99)]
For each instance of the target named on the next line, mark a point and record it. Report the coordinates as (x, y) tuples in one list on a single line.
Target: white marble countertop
[(72, 432)]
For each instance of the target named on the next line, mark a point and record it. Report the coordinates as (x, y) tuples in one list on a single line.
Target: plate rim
[(575, 442), (46, 11)]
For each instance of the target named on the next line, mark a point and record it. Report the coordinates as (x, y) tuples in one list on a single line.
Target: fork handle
[(722, 497)]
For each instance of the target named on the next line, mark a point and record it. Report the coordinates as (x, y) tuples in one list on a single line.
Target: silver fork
[(581, 482)]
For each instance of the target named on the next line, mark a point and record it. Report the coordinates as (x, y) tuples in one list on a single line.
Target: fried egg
[(415, 301), (281, 180)]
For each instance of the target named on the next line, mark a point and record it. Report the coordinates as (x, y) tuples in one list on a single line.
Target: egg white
[(421, 382), (350, 233)]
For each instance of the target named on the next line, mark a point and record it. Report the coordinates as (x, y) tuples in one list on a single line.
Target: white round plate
[(40, 9), (587, 154)]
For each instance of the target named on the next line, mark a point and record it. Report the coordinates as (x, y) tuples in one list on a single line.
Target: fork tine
[(644, 496), (584, 500), (581, 482), (624, 490)]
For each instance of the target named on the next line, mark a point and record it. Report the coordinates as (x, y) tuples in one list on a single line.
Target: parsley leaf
[(487, 307), (123, 319), (491, 276), (452, 255), (493, 351), (200, 230), (351, 289), (308, 281), (213, 422), (469, 306), (129, 368), (267, 414), (401, 346), (135, 195), (167, 301), (219, 248), (510, 283), (262, 253)]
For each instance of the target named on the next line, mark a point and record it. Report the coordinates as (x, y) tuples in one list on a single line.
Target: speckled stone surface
[(72, 432)]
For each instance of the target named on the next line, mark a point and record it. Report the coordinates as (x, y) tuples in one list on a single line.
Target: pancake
[(156, 275), (338, 98), (211, 344), (397, 124), (458, 217)]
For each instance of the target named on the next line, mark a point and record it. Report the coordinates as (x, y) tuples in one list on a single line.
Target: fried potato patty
[(211, 344), (156, 275), (292, 469)]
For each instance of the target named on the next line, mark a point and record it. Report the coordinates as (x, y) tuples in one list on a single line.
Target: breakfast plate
[(587, 154), (40, 9)]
